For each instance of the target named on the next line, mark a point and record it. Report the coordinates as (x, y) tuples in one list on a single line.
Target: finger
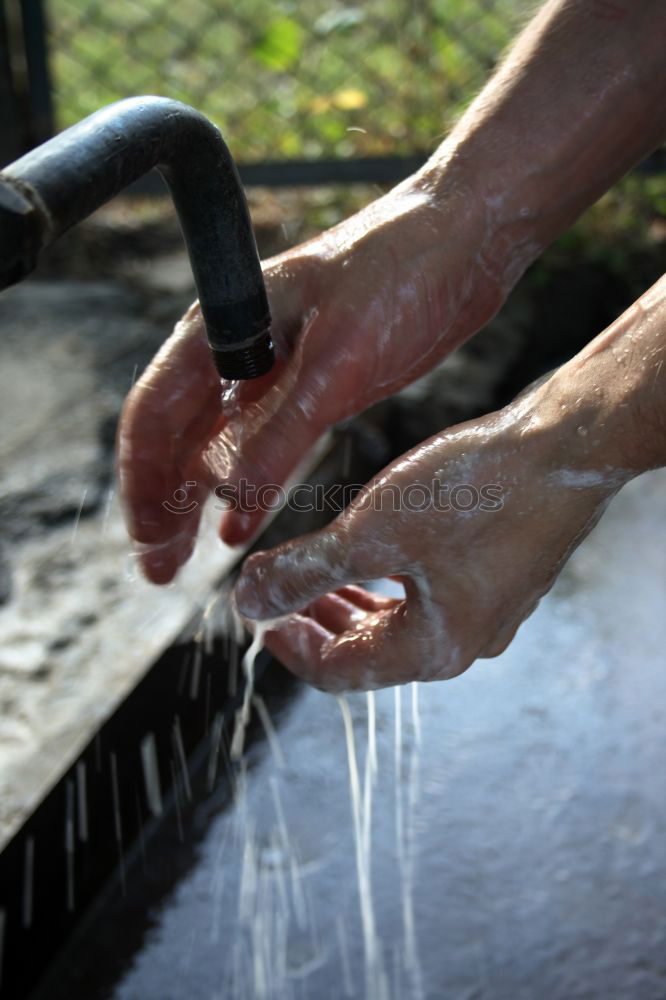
[(335, 614), (292, 575), (400, 644), (174, 411), (266, 456), (166, 418), (181, 515), (289, 283), (366, 600), (270, 440), (297, 642), (281, 427), (160, 563), (390, 647), (408, 641), (373, 655)]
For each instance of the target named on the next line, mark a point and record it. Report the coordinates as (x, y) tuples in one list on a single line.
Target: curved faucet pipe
[(58, 184)]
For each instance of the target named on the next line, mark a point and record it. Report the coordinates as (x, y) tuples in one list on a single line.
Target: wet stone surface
[(77, 626)]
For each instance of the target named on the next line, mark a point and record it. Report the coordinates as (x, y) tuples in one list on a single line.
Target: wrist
[(608, 403), (509, 229), (580, 425)]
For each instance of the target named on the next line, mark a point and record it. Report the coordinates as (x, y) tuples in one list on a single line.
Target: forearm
[(580, 98), (610, 399)]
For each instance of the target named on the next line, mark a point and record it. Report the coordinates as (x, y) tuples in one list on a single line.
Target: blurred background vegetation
[(287, 79), (284, 78), (308, 80)]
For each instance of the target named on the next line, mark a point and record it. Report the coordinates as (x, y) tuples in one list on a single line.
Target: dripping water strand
[(376, 986), (243, 714), (405, 841)]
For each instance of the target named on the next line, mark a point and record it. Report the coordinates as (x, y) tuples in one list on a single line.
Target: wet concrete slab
[(518, 831)]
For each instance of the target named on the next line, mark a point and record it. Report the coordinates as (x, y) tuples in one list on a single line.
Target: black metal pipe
[(53, 187)]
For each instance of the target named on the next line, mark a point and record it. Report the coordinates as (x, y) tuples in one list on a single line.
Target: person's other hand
[(357, 313), (523, 488)]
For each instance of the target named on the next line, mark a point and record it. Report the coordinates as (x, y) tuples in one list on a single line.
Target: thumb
[(292, 575)]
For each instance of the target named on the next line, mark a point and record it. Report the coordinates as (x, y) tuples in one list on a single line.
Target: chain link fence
[(285, 80)]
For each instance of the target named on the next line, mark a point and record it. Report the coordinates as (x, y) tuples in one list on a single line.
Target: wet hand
[(357, 313), (476, 523)]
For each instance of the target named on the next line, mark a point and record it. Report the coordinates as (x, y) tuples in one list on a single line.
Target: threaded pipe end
[(245, 362)]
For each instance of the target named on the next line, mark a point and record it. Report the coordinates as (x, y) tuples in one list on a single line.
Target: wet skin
[(372, 304), (471, 576)]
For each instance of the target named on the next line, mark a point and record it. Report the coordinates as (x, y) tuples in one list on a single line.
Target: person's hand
[(523, 487), (476, 523), (357, 313)]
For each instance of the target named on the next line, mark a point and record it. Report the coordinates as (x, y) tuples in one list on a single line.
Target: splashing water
[(275, 908), (229, 399), (243, 713), (405, 835), (77, 517), (375, 978), (231, 436)]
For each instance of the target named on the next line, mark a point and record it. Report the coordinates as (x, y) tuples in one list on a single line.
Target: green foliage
[(629, 219), (622, 236), (280, 45), (284, 78), (293, 79)]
